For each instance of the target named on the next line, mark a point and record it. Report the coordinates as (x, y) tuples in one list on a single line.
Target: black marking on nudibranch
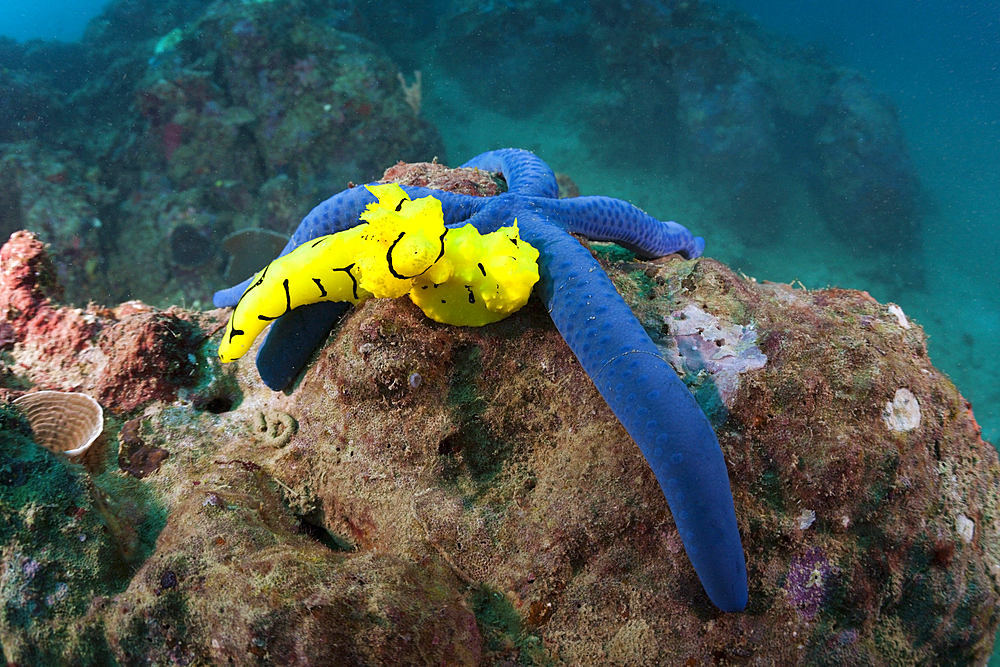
[(319, 284), (482, 268), (288, 304), (257, 283), (239, 332), (472, 297), (441, 252), (399, 206), (354, 281), (388, 256)]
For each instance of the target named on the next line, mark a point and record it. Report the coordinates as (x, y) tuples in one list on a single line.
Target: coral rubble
[(125, 357)]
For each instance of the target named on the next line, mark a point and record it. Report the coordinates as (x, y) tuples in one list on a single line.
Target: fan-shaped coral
[(64, 422)]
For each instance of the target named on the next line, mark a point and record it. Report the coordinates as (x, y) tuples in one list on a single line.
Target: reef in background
[(766, 133), (210, 117), (430, 494)]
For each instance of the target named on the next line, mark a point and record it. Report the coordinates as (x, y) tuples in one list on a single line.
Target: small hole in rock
[(214, 404), (450, 445), (323, 536)]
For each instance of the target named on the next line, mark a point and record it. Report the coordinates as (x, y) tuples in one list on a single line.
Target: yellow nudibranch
[(456, 276)]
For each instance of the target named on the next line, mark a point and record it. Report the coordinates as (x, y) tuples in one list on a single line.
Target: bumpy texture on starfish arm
[(642, 390), (608, 219), (653, 405)]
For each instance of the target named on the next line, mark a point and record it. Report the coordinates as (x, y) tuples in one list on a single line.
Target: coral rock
[(507, 462), (236, 581), (464, 181), (125, 358), (28, 285), (495, 512), (148, 356)]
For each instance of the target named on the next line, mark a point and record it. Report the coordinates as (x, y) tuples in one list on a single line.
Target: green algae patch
[(504, 633), (483, 452), (60, 560), (611, 252)]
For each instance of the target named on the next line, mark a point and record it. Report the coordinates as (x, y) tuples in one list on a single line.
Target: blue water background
[(939, 61), (47, 19)]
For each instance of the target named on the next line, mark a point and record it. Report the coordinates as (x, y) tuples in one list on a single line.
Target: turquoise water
[(47, 19), (939, 62)]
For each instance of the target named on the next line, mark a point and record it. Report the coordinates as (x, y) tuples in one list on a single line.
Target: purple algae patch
[(809, 578)]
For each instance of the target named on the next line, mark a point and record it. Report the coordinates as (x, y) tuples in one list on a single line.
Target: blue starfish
[(643, 391)]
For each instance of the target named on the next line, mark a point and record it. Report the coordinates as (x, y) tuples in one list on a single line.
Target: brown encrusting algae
[(493, 512)]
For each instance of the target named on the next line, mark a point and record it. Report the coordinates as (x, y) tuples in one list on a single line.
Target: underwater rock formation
[(208, 117), (866, 183), (24, 101), (34, 78), (237, 579), (60, 564), (492, 510), (526, 50), (753, 123), (52, 193), (761, 117), (124, 357), (242, 100)]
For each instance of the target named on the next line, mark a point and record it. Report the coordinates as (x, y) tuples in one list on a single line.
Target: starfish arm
[(525, 172), (492, 214), (650, 401), (293, 338), (229, 297), (341, 211), (608, 219)]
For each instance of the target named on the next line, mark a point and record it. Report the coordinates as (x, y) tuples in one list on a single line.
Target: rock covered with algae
[(64, 553), (124, 357), (430, 494)]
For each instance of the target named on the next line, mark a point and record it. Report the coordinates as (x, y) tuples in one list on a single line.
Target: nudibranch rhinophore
[(640, 387), (456, 276)]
